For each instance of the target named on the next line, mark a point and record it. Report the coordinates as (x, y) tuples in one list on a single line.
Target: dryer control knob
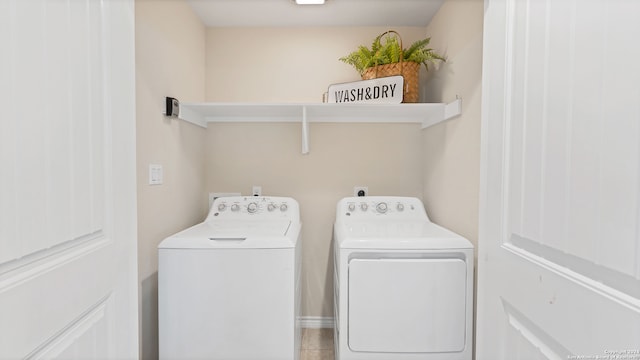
[(381, 207), (235, 207), (283, 207), (271, 207), (252, 207), (364, 206), (400, 207), (222, 207), (352, 207)]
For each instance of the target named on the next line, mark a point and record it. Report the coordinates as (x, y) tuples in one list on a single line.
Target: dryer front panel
[(407, 305)]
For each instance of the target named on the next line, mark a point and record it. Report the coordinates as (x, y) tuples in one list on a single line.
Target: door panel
[(67, 195), (559, 260), (84, 339)]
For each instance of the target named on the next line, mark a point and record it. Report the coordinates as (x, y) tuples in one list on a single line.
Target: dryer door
[(407, 305)]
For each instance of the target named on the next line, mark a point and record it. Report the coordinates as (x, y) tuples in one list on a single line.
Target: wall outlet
[(360, 191), (155, 174), (256, 190), (215, 195)]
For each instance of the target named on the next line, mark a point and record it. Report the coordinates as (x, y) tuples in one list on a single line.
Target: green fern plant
[(390, 52)]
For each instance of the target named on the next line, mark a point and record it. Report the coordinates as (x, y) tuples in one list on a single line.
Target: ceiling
[(285, 13)]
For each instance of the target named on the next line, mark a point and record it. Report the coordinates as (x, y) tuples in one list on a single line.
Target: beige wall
[(384, 157), (170, 44), (451, 154), (284, 64)]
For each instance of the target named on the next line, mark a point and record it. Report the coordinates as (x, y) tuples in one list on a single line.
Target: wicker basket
[(408, 69)]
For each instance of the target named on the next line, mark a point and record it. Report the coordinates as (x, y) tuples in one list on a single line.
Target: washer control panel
[(257, 207), (396, 207)]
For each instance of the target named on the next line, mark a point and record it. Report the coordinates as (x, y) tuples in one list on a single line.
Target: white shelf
[(425, 114)]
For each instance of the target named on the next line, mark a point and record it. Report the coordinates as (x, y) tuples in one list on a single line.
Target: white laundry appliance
[(403, 285), (229, 288)]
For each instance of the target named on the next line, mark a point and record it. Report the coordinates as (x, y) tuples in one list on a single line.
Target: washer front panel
[(404, 305), (227, 304)]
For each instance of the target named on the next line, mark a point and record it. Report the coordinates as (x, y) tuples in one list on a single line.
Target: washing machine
[(403, 286), (229, 288)]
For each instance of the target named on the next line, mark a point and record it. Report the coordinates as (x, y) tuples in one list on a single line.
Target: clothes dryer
[(403, 285), (229, 288)]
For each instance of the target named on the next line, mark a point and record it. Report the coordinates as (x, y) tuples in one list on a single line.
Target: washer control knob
[(400, 207), (235, 207), (381, 207), (271, 207), (252, 207), (352, 207), (284, 207), (364, 206), (222, 207)]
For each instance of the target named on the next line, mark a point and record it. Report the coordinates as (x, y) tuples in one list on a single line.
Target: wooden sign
[(386, 90)]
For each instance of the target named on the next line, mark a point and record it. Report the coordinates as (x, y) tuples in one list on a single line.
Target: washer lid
[(234, 234), (397, 234)]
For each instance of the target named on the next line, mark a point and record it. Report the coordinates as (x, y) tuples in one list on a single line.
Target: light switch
[(155, 174)]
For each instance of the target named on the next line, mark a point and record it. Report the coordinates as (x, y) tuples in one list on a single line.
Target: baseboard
[(315, 322)]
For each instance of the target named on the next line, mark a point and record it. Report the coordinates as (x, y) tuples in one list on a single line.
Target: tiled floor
[(317, 344)]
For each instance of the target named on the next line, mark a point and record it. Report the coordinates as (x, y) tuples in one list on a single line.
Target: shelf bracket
[(453, 108), (305, 131)]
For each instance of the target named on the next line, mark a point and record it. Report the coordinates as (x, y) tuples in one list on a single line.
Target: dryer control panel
[(393, 207), (255, 207)]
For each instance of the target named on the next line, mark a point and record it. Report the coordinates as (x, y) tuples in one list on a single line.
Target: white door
[(67, 182), (559, 253)]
